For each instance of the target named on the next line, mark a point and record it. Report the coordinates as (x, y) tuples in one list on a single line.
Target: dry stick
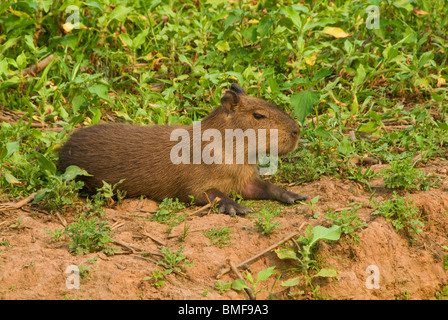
[(238, 274), (63, 222), (154, 239), (38, 67), (124, 245), (263, 252), (17, 205)]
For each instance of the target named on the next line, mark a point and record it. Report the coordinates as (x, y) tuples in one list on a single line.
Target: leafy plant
[(264, 218), (174, 261), (61, 190), (348, 220), (89, 235), (168, 212), (403, 175), (305, 254), (402, 213), (263, 275), (222, 286)]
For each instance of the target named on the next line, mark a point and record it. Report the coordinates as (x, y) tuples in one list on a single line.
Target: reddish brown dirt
[(33, 267)]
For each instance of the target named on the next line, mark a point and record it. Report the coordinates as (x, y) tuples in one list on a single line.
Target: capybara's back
[(112, 152)]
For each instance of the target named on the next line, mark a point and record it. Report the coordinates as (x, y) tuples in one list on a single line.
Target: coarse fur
[(141, 156)]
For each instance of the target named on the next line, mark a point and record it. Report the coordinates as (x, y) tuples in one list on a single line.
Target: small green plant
[(157, 278), (89, 235), (84, 273), (56, 234), (174, 261), (305, 254), (442, 294), (61, 190), (219, 237), (108, 191), (403, 175), (263, 275), (264, 219), (348, 220), (402, 213), (222, 286), (168, 212)]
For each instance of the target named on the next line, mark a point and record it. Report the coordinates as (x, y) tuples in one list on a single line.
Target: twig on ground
[(249, 260), (154, 239), (17, 205)]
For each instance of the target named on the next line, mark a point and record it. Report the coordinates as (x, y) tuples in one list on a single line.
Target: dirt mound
[(34, 267)]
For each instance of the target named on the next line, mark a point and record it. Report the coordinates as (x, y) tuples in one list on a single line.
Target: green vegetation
[(403, 214), (89, 235), (219, 237), (361, 95), (264, 218)]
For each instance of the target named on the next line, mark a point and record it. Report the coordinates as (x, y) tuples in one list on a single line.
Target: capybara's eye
[(258, 116)]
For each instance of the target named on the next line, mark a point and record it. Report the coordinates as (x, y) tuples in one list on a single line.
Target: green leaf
[(72, 172), (239, 284), (345, 147), (302, 103), (10, 178), (222, 46), (265, 274), (286, 253), (368, 127), (46, 164), (100, 90), (119, 13), (327, 273), (360, 76), (291, 282), (323, 233), (10, 148)]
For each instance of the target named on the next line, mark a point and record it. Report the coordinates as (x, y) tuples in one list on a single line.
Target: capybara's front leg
[(225, 204), (264, 190)]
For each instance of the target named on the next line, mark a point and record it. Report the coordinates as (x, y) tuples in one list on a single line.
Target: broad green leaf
[(327, 273), (72, 172), (360, 76), (323, 233), (345, 147), (100, 90), (290, 282), (46, 164), (368, 127), (286, 253), (222, 46), (264, 274), (10, 178), (119, 13), (302, 103), (239, 285)]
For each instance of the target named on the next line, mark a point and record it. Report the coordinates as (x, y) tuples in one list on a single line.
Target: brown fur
[(141, 156)]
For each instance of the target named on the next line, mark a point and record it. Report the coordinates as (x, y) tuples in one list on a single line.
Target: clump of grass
[(219, 237), (403, 213)]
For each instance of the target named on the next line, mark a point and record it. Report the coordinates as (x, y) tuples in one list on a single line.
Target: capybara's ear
[(236, 88), (230, 100)]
